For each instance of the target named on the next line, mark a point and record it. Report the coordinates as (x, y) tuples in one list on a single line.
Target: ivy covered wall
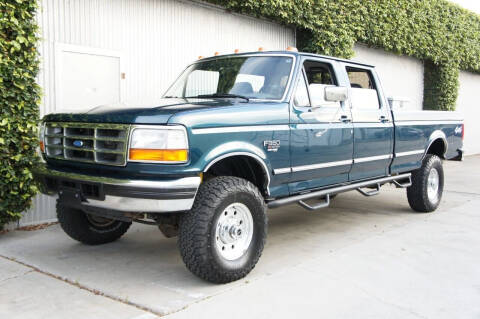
[(19, 99), (445, 36)]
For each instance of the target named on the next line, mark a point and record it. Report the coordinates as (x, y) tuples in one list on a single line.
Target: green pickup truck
[(234, 135)]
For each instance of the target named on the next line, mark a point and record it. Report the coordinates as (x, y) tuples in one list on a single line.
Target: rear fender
[(435, 136)]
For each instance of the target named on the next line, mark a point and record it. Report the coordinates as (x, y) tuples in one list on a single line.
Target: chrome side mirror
[(324, 95), (336, 93)]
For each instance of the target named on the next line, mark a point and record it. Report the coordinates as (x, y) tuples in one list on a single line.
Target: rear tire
[(426, 191), (89, 229), (222, 237)]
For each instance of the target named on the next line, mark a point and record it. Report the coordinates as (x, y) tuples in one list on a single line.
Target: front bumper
[(122, 195)]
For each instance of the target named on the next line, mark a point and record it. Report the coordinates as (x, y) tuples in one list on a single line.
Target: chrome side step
[(373, 192), (300, 199), (405, 184), (324, 204)]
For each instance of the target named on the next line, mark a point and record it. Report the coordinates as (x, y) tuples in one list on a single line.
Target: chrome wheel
[(99, 222), (433, 184), (234, 231)]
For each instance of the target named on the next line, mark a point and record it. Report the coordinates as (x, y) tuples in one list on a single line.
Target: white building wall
[(401, 76), (156, 40), (468, 104)]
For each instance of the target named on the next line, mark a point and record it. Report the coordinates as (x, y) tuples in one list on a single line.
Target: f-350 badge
[(271, 145)]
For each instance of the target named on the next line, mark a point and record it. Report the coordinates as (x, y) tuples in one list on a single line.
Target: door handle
[(384, 119), (345, 119)]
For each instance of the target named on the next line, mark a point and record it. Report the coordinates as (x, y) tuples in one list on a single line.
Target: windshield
[(256, 77)]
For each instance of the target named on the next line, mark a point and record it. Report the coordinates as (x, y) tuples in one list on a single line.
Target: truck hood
[(158, 114)]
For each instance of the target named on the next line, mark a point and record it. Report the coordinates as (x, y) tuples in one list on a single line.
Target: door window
[(319, 76), (364, 94)]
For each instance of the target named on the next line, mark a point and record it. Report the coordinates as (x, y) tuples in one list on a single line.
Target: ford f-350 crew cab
[(233, 135)]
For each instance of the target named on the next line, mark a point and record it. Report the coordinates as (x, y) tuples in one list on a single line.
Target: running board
[(300, 199)]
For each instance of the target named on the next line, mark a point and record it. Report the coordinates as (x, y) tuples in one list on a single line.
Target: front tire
[(89, 229), (222, 237), (427, 185)]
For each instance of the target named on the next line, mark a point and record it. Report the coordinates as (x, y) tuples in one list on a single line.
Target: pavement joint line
[(124, 301), (83, 287), (462, 193), (233, 287), (16, 276)]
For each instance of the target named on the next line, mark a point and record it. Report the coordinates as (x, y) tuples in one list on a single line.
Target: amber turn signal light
[(143, 154)]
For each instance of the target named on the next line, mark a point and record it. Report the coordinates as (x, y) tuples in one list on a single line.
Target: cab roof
[(292, 53)]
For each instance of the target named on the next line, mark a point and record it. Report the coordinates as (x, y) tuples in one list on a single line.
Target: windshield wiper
[(218, 95)]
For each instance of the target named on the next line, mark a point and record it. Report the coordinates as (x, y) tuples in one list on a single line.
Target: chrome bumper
[(133, 196)]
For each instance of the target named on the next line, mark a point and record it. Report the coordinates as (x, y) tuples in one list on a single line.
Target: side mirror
[(336, 93), (323, 95)]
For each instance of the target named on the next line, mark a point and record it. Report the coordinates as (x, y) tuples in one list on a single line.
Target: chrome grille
[(87, 142)]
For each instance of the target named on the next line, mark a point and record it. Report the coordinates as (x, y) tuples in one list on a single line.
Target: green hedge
[(19, 99), (438, 32)]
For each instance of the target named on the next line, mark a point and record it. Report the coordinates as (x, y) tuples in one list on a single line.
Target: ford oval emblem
[(78, 143)]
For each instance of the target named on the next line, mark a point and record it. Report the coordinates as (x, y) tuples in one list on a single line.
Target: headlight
[(41, 137), (168, 144)]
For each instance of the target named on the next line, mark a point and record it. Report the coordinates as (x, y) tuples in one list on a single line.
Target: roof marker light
[(216, 53), (236, 51), (261, 49), (200, 57), (293, 49)]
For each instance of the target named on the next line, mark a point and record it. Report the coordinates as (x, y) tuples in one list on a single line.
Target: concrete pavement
[(361, 258)]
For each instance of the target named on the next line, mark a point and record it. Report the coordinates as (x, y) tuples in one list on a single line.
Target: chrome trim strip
[(372, 158), (415, 152), (320, 126), (233, 129), (367, 124), (282, 127), (278, 171), (286, 170), (321, 165), (404, 123)]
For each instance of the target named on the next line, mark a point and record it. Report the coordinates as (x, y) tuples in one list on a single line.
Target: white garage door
[(86, 77)]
